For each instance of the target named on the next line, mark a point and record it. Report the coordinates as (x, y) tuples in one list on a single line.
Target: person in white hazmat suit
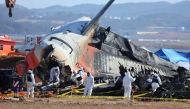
[(30, 81), (54, 72), (156, 81), (54, 78), (80, 72), (127, 80), (76, 77), (88, 84)]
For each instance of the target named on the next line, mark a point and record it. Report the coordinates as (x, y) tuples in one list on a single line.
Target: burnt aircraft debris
[(103, 53)]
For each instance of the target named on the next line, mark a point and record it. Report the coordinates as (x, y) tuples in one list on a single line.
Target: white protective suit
[(30, 81), (155, 85), (89, 84), (54, 72), (127, 80), (75, 76), (80, 72)]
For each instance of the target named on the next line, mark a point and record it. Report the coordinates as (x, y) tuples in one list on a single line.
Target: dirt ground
[(90, 103)]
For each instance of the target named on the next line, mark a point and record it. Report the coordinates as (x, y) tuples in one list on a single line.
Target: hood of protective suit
[(81, 68), (152, 73), (155, 74), (127, 73), (89, 74), (29, 71), (74, 72)]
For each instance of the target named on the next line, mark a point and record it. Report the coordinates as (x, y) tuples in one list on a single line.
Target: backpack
[(29, 79), (79, 78), (154, 79)]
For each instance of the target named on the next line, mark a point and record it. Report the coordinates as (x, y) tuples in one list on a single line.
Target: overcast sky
[(46, 3)]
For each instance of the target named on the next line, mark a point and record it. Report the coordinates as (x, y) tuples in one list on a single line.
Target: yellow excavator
[(10, 4)]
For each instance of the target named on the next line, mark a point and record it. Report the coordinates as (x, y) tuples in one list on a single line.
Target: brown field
[(75, 103), (166, 35), (35, 21), (182, 40), (164, 44)]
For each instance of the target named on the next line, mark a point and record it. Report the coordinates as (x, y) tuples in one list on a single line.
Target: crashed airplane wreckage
[(103, 53)]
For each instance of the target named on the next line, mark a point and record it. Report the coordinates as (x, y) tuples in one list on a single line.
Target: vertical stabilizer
[(96, 18)]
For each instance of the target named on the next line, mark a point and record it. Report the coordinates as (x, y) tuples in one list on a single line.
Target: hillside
[(125, 17), (123, 10)]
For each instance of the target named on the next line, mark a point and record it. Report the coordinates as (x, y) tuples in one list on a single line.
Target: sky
[(45, 3)]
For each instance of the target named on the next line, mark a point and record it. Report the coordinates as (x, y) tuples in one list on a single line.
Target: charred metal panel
[(121, 47), (107, 64), (47, 51)]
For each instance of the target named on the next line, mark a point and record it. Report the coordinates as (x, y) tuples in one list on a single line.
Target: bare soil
[(182, 40), (166, 44), (87, 103)]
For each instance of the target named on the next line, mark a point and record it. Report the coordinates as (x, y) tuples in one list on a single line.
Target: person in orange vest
[(30, 81)]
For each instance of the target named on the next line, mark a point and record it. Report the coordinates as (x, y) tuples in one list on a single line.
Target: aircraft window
[(1, 47), (61, 42)]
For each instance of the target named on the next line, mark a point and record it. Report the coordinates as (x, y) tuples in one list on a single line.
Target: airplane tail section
[(96, 18)]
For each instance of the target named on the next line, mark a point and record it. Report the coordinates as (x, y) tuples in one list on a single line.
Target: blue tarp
[(173, 56), (186, 55)]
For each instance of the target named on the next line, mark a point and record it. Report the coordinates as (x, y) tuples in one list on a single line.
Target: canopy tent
[(173, 56), (186, 55)]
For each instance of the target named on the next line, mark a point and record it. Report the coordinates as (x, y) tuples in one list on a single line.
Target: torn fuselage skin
[(63, 47)]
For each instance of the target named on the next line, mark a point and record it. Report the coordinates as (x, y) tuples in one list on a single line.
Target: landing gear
[(10, 4), (10, 12)]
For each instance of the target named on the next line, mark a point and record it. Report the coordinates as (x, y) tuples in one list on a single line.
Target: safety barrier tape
[(77, 90), (96, 85), (71, 93), (111, 97), (138, 96), (141, 94), (100, 93)]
